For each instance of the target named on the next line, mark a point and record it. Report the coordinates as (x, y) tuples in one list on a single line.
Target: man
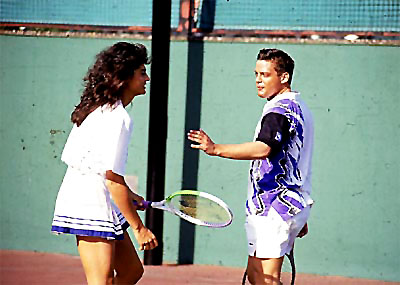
[(278, 202)]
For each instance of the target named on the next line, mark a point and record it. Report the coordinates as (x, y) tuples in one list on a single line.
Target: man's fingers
[(196, 134), (198, 146), (198, 137), (195, 139)]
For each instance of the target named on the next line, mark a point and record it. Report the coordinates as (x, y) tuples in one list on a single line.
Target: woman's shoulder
[(115, 110), (108, 116), (117, 114)]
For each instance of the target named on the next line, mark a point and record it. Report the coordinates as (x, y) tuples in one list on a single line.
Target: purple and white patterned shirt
[(283, 180)]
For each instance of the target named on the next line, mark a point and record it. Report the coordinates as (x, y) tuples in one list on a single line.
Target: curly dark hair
[(106, 79), (283, 61)]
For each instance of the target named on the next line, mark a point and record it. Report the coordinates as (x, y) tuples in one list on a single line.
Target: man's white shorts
[(272, 237)]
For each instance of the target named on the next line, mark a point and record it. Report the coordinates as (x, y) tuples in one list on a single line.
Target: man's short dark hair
[(283, 62)]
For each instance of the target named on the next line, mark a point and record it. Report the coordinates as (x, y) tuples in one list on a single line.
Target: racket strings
[(201, 208)]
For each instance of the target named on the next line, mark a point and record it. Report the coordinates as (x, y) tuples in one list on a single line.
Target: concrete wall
[(351, 90)]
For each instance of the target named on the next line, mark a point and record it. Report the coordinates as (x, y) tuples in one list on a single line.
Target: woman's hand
[(139, 200), (145, 238), (204, 141)]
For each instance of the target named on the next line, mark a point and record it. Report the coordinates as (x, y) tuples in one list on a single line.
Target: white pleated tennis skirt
[(84, 207)]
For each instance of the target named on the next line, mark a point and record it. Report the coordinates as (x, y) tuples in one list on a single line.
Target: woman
[(94, 202)]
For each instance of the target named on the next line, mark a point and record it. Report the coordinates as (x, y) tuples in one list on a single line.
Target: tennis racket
[(197, 207), (290, 267)]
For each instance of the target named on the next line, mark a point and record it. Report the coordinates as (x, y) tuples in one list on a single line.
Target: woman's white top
[(100, 143)]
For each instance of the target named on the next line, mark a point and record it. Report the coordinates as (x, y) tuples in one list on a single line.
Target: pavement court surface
[(27, 267)]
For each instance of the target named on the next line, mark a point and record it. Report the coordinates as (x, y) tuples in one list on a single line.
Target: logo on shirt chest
[(278, 136)]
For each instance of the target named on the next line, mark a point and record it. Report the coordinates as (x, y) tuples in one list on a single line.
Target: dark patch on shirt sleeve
[(274, 130)]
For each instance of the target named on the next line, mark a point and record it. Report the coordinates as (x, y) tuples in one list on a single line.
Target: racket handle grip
[(145, 204)]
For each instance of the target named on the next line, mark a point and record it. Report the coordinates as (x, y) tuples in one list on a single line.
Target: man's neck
[(282, 91)]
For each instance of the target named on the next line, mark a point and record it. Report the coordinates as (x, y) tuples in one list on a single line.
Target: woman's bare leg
[(97, 259), (128, 266)]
